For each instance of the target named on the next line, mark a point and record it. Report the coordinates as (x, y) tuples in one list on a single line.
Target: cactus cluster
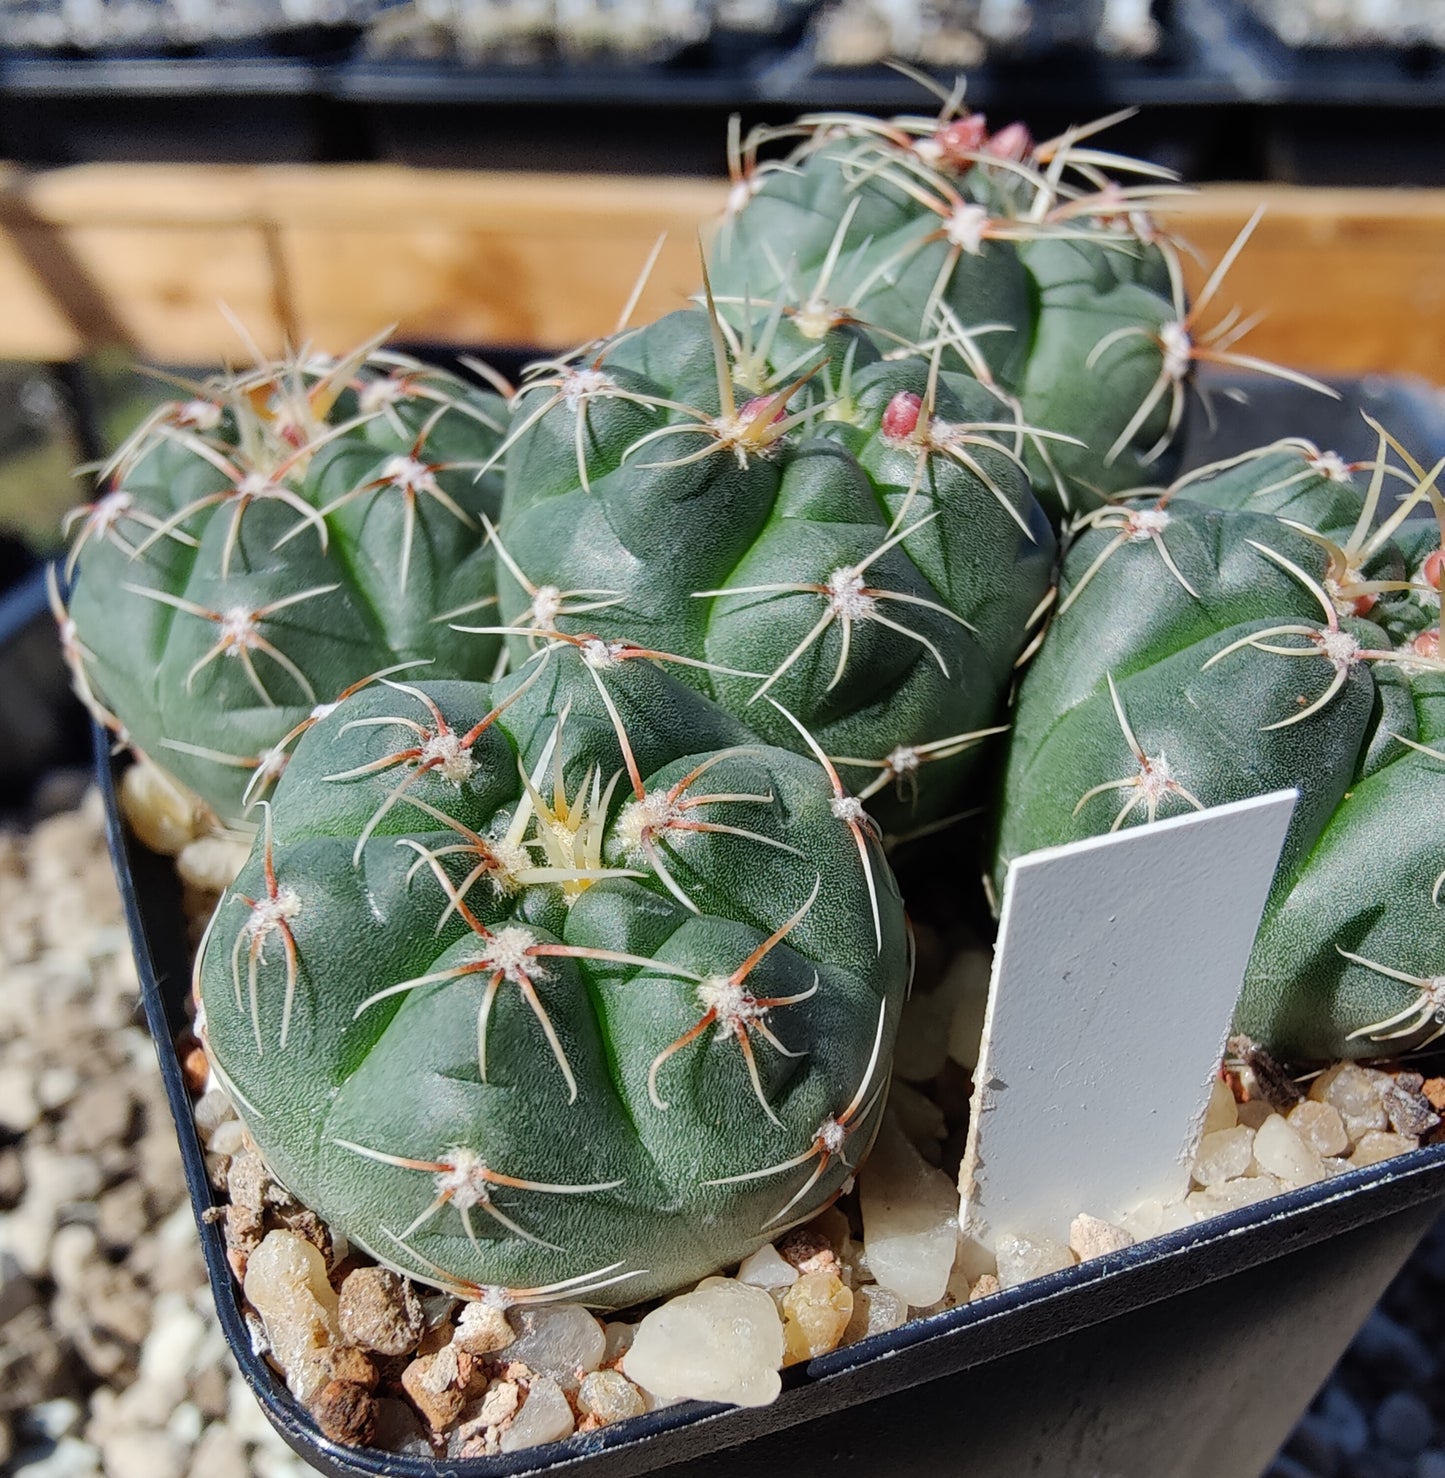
[(568, 961)]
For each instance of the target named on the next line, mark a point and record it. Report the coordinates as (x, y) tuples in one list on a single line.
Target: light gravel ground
[(111, 1359)]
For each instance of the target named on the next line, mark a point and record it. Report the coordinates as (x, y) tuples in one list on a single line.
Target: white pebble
[(163, 814), (1145, 1220), (211, 863), (721, 1342), (921, 1047), (74, 1251), (56, 1086), (212, 1110), (1357, 1093), (609, 1396), (973, 967), (1021, 1258), (228, 1138), (55, 1419), (767, 1268), (173, 1344), (619, 1338), (910, 1219), (545, 1417), (1178, 1214), (142, 1454), (70, 1458), (1380, 1145), (918, 1116), (1223, 1155), (560, 1340), (286, 1284), (1320, 1126), (1279, 1150), (1233, 1194), (875, 1310), (1089, 1236), (1223, 1112), (186, 1423)]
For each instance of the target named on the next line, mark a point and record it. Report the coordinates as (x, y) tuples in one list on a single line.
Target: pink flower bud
[(900, 419)]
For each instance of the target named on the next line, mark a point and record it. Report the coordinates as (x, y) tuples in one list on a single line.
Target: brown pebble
[(808, 1251), (247, 1180), (195, 1069), (345, 1412), (440, 1407), (1409, 1112), (379, 1310), (1272, 1082), (347, 1363), (12, 1178), (482, 1330), (1434, 1091), (245, 1227), (210, 1391), (120, 1216)]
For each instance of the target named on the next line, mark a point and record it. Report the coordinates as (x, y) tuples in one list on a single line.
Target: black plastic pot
[(41, 723), (1189, 1356)]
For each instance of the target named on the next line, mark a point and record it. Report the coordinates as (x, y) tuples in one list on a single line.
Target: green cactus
[(1206, 650), (274, 539), (1036, 271), (852, 537), (562, 987)]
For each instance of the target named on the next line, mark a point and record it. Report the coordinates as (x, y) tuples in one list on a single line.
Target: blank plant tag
[(1118, 965)]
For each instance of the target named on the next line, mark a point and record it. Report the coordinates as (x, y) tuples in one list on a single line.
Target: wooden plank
[(473, 259), (141, 258), (166, 287), (1349, 281), (32, 327), (135, 194), (329, 254)]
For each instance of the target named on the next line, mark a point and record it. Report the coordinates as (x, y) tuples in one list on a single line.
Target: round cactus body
[(260, 548), (563, 987), (858, 552), (1021, 260), (1205, 654)]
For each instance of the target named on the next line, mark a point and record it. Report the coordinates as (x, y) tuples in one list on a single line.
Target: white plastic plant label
[(1118, 965)]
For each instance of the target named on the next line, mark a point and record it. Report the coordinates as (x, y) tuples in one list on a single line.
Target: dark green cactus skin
[(154, 670), (1364, 853), (677, 1191), (1080, 303), (658, 548)]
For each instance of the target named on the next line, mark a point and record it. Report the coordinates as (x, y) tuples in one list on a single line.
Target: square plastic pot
[(1188, 1356)]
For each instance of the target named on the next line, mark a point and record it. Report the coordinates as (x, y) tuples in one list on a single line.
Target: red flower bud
[(900, 419)]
